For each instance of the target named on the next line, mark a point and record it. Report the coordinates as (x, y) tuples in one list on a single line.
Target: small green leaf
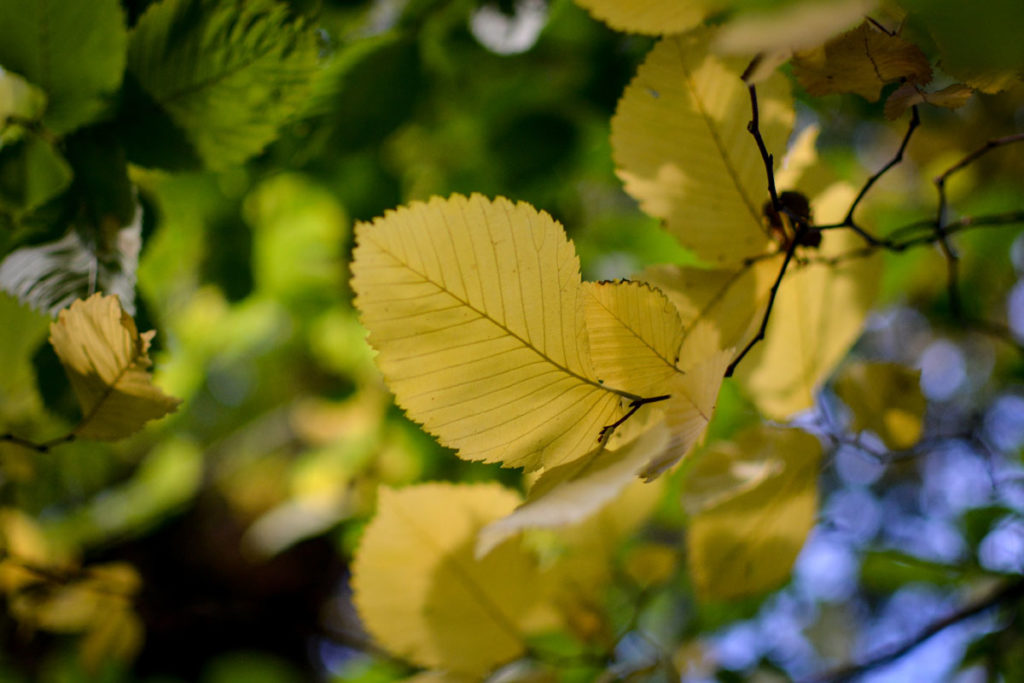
[(228, 74), (887, 570), (73, 50), (32, 172)]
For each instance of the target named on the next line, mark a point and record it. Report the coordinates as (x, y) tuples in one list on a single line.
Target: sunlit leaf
[(49, 277), (796, 26), (818, 314), (228, 73), (107, 362), (72, 50), (744, 539), (424, 597), (476, 310), (682, 147), (657, 17), (885, 398), (861, 61), (19, 99)]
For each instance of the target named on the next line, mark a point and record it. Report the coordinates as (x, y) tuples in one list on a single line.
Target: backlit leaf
[(818, 314), (796, 26), (656, 17), (228, 73), (19, 99), (682, 147), (744, 539), (907, 95), (424, 597), (477, 312), (72, 50), (885, 398), (860, 61), (571, 493), (107, 362)]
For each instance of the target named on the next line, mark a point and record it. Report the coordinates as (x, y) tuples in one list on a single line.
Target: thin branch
[(37, 447), (771, 302), (940, 180), (754, 127), (607, 430), (1009, 593), (915, 121)]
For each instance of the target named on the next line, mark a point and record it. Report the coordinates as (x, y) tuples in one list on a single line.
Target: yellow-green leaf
[(655, 17), (860, 61), (818, 314), (476, 309), (107, 362), (885, 398), (424, 597), (745, 537), (681, 144)]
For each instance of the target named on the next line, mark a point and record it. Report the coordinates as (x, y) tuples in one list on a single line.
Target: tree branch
[(1008, 593), (754, 128), (37, 447)]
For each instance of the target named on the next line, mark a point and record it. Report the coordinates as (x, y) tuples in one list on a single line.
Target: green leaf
[(228, 74), (32, 172), (19, 100), (887, 570), (73, 50)]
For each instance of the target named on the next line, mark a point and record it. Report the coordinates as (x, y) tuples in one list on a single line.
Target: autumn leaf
[(909, 94), (477, 312), (655, 17), (422, 594), (861, 61), (753, 501), (885, 398), (701, 171), (107, 362)]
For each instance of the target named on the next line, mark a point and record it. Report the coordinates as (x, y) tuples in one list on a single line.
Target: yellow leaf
[(650, 564), (107, 363), (635, 335), (681, 144), (476, 310), (655, 17), (573, 492), (817, 315), (746, 537), (860, 61), (424, 597), (115, 635), (798, 26), (885, 398)]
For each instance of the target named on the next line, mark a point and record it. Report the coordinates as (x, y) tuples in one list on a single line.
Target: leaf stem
[(635, 405)]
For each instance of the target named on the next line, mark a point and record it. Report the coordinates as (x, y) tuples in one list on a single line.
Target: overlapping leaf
[(424, 597), (655, 17), (861, 61), (107, 362), (229, 74), (885, 398), (753, 502), (476, 310), (682, 147), (73, 50)]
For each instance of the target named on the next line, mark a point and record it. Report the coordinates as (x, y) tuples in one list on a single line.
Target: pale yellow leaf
[(860, 61), (476, 310), (115, 635), (885, 398), (107, 362), (655, 17), (573, 492), (745, 539), (635, 335), (682, 148), (798, 26), (818, 314), (425, 598)]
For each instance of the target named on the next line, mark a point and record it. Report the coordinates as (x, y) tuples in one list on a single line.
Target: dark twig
[(771, 302), (915, 121), (38, 447), (635, 405), (1010, 592), (940, 180), (754, 127)]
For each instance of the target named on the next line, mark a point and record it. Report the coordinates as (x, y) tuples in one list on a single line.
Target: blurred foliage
[(233, 145)]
